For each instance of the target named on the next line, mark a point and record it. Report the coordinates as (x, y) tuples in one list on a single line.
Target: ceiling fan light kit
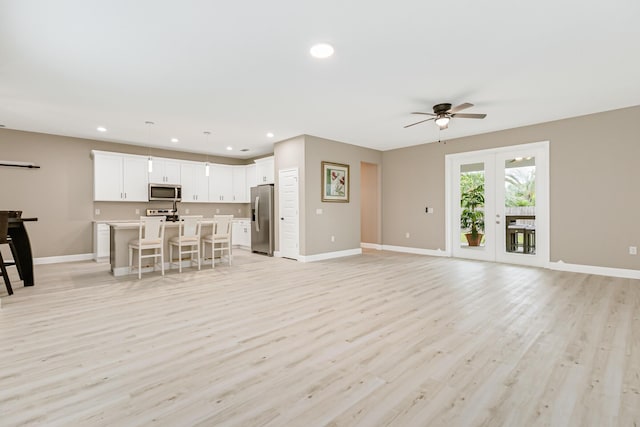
[(443, 113)]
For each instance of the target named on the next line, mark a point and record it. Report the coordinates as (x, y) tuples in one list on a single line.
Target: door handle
[(281, 218)]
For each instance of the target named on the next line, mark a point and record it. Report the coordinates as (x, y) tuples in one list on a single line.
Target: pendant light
[(149, 160), (206, 166)]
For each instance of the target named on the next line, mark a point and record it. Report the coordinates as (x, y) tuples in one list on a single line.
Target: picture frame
[(335, 182)]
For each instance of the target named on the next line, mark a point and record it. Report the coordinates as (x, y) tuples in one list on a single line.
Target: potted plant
[(471, 218)]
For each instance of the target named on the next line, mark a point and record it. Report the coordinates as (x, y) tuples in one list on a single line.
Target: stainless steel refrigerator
[(262, 221)]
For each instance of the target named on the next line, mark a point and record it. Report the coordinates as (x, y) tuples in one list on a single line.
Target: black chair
[(13, 214), (4, 229)]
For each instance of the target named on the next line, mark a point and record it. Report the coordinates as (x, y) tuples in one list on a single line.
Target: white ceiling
[(241, 68)]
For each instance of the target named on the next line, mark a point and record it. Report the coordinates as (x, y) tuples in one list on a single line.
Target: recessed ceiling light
[(175, 140), (270, 135), (229, 148), (101, 129), (245, 149), (321, 50)]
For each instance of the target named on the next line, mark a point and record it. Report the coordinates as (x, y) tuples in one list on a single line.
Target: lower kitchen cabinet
[(241, 233)]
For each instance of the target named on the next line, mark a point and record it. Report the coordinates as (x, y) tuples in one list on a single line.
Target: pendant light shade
[(149, 160)]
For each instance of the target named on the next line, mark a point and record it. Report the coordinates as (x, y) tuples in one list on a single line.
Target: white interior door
[(512, 185), (288, 212)]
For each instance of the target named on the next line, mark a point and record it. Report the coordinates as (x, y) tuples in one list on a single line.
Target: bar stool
[(221, 236), (14, 253), (150, 236), (188, 237), (4, 230)]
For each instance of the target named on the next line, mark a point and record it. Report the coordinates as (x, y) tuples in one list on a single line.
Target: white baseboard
[(63, 258), (371, 246), (592, 269), (329, 255), (277, 254), (418, 251)]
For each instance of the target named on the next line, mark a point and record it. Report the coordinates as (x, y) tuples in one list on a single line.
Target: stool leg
[(7, 282), (16, 260)]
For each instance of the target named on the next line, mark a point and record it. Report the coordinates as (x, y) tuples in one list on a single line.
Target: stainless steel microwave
[(165, 192)]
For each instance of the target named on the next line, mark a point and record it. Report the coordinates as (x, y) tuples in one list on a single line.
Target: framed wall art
[(335, 182)]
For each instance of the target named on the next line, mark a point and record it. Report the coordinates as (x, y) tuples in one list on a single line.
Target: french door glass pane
[(472, 202), (520, 205)]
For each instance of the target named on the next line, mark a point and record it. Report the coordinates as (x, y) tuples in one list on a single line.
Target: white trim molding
[(592, 269), (418, 251), (329, 255), (371, 246), (62, 258)]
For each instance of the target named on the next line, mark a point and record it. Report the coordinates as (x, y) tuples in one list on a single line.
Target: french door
[(498, 207)]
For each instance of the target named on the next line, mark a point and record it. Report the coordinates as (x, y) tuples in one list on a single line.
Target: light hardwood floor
[(378, 339)]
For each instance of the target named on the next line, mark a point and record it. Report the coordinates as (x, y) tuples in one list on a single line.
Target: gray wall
[(341, 220), (290, 154), (594, 203), (60, 193)]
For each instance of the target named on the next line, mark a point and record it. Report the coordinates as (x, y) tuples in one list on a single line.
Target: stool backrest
[(4, 226), (222, 225), (151, 229), (190, 226), (14, 214)]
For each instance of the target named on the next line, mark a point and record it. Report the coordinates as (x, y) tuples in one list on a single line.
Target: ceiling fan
[(442, 113)]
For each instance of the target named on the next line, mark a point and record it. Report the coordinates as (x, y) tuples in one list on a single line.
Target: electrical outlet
[(407, 235), (319, 211), (333, 238), (186, 211), (633, 250), (429, 210), (97, 211), (137, 211), (217, 210), (239, 210)]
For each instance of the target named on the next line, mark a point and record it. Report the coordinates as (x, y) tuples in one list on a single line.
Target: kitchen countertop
[(136, 221)]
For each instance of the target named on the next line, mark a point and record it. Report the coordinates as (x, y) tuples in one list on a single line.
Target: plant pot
[(474, 240)]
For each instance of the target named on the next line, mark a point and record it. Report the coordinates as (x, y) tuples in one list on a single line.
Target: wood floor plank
[(378, 339)]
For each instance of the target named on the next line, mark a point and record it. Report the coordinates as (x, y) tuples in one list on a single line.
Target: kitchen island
[(121, 233)]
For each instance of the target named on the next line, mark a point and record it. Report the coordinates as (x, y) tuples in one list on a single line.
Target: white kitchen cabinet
[(101, 242), (119, 177), (265, 170), (195, 183), (165, 171), (240, 194), (241, 233), (221, 183), (252, 178)]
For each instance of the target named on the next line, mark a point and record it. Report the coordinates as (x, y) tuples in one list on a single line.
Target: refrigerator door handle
[(257, 213)]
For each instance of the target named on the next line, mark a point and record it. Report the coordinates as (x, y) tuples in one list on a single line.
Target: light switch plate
[(137, 211), (97, 211), (319, 211)]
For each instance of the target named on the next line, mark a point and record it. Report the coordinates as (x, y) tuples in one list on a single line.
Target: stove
[(169, 214)]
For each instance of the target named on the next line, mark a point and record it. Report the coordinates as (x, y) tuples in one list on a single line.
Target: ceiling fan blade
[(469, 116), (426, 114), (460, 108), (417, 123)]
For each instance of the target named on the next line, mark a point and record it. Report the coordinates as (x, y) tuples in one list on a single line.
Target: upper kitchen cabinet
[(252, 178), (165, 171), (240, 194), (195, 182), (265, 170), (221, 183), (119, 177)]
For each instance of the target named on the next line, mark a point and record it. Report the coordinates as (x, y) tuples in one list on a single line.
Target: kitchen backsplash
[(103, 211)]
